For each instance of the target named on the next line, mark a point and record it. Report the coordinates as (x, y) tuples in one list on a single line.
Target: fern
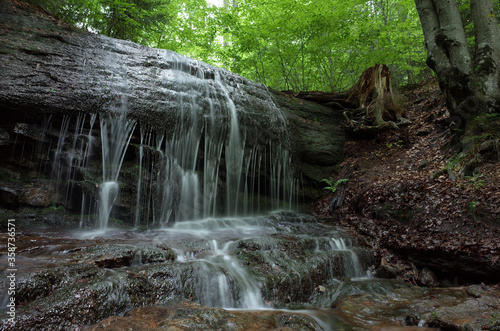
[(331, 185)]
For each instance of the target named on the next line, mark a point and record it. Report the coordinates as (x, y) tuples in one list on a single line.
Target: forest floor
[(409, 217)]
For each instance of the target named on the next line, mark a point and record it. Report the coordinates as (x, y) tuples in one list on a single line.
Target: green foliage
[(397, 143), (285, 44), (56, 208), (332, 186), (472, 207), (322, 45), (195, 30), (476, 181), (139, 21), (494, 321)]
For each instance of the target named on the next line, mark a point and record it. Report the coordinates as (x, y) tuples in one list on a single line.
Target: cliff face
[(60, 85)]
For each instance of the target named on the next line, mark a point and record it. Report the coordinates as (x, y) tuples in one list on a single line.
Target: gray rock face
[(53, 77), (39, 196), (48, 67), (69, 280)]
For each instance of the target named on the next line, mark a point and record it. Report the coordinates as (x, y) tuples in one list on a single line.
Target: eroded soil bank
[(447, 225)]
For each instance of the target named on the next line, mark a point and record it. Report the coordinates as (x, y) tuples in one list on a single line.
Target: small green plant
[(476, 181), (397, 143), (472, 208), (56, 208), (494, 321), (332, 186)]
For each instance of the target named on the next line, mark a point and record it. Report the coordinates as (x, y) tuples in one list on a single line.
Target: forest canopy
[(293, 45)]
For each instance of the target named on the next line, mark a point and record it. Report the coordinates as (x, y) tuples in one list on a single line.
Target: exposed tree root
[(377, 106), (370, 105), (468, 162)]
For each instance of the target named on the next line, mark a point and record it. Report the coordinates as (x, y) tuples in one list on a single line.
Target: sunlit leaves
[(135, 20), (322, 45), (285, 44)]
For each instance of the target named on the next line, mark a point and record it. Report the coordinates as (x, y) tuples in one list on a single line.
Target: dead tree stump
[(370, 105), (374, 103)]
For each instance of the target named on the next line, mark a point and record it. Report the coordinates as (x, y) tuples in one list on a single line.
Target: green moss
[(56, 208), (6, 51)]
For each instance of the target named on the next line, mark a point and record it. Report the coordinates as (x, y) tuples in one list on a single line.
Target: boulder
[(42, 195)]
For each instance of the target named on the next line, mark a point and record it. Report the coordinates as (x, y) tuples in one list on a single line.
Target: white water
[(108, 195), (204, 167), (234, 151), (213, 255), (217, 268), (139, 181), (213, 246), (116, 132), (210, 163)]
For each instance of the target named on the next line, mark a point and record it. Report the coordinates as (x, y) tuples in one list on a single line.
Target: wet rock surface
[(308, 269), (70, 280), (440, 308), (52, 70), (192, 316), (124, 279)]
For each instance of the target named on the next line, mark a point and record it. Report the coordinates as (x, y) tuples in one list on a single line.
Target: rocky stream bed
[(279, 272), (401, 251)]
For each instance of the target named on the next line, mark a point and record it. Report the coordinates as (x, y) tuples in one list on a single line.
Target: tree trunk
[(373, 94), (487, 33), (448, 54), (468, 82)]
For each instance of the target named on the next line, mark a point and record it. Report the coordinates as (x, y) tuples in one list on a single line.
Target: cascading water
[(247, 260), (208, 164), (200, 185), (215, 270), (211, 161), (116, 133), (234, 152)]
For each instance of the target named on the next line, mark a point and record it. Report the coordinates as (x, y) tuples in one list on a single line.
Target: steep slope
[(449, 224)]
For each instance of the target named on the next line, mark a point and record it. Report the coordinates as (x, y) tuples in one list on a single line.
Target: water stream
[(206, 188), (282, 260)]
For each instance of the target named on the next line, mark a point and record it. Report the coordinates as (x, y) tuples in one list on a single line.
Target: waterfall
[(116, 132), (233, 153), (209, 149), (69, 158), (59, 162), (198, 170), (352, 266), (139, 181), (208, 164)]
